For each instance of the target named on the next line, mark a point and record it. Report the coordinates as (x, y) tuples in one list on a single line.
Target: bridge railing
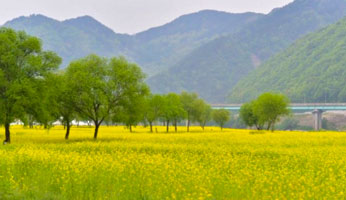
[(291, 105)]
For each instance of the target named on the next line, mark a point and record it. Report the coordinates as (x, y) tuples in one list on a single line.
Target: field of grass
[(233, 164)]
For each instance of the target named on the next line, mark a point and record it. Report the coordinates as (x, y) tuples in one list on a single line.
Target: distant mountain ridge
[(213, 69), (313, 69), (154, 50), (73, 38)]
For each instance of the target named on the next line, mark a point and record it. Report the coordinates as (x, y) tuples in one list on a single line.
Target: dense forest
[(311, 70)]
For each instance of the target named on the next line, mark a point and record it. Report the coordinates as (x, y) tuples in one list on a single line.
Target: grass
[(232, 164)]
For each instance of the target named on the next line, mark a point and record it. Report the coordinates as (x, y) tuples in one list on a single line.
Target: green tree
[(103, 85), (248, 116), (203, 112), (153, 109), (23, 67), (62, 100), (132, 112), (188, 101), (221, 117), (173, 110), (269, 108)]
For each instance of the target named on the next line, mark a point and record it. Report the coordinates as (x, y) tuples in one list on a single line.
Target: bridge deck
[(294, 106)]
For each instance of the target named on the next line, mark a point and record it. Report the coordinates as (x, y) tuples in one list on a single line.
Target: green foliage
[(153, 109), (203, 112), (105, 87), (221, 117), (266, 110), (173, 110), (188, 101), (311, 70), (24, 68), (248, 116)]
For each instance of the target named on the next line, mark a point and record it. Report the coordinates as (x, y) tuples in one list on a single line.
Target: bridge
[(315, 108)]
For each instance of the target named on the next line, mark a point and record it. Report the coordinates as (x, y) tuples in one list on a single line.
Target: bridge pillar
[(318, 119)]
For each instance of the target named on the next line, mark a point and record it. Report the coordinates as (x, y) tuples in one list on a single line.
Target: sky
[(129, 16)]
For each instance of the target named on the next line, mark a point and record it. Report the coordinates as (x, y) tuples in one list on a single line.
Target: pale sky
[(129, 16)]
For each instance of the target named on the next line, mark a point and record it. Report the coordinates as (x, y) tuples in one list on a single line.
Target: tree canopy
[(24, 66), (266, 110), (103, 86)]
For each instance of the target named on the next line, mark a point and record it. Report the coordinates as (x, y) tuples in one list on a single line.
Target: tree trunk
[(188, 125), (167, 126), (96, 130), (151, 126), (130, 129), (273, 127), (67, 130), (7, 133), (269, 125), (175, 126)]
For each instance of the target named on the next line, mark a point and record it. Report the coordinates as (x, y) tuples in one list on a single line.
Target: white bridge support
[(318, 119)]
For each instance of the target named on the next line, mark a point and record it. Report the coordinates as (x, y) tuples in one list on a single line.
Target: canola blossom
[(232, 164)]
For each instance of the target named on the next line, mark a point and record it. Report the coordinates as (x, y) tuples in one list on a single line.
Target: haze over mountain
[(154, 49), (214, 68), (313, 69)]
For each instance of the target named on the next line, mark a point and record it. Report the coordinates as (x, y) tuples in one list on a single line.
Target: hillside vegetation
[(154, 49), (214, 68), (311, 70)]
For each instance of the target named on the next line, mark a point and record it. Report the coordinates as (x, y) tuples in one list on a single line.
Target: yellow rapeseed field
[(232, 164)]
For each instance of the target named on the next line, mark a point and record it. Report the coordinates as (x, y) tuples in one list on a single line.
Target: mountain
[(313, 69), (71, 39), (154, 49), (213, 69), (161, 47)]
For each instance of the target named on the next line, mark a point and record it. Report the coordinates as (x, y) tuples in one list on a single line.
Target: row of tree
[(101, 90)]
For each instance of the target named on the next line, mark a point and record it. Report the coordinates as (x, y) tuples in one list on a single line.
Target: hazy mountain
[(73, 38), (154, 49), (311, 70), (161, 47), (213, 69)]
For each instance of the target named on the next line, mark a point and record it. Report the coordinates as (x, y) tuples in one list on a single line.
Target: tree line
[(93, 88)]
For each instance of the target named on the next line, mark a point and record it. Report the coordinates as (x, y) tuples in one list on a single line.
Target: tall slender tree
[(173, 110), (153, 109), (188, 102), (221, 117), (23, 67)]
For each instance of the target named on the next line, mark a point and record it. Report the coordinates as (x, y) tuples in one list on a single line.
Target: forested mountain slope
[(154, 49), (311, 70), (213, 69), (161, 47)]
